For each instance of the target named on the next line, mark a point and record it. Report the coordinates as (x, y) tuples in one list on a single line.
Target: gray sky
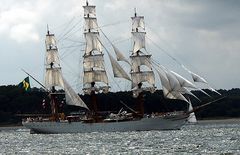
[(203, 35)]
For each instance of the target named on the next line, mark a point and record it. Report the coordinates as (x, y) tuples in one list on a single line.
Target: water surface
[(207, 137)]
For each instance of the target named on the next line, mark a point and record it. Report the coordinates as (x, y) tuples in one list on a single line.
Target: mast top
[(48, 30), (135, 12), (86, 2)]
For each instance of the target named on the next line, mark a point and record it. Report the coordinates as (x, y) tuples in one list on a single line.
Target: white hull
[(144, 124)]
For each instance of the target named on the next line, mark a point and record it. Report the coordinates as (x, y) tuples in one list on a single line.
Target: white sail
[(186, 91), (51, 50), (140, 60), (214, 90), (147, 76), (95, 76), (183, 82), (174, 83), (92, 61), (164, 81), (138, 41), (89, 10), (192, 118), (90, 23), (197, 78), (72, 98), (176, 95), (171, 86), (52, 57), (143, 76), (50, 42), (53, 77), (180, 84), (92, 42), (138, 22), (120, 56), (117, 69)]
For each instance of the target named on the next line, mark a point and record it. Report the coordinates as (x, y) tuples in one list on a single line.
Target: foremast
[(54, 78), (95, 79), (141, 68), (53, 74)]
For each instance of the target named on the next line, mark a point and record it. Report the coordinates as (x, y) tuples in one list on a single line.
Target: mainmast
[(53, 75), (95, 78), (141, 72)]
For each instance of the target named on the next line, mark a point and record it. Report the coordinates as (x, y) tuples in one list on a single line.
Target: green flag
[(25, 84)]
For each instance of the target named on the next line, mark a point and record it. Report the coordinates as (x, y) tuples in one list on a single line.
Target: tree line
[(14, 101)]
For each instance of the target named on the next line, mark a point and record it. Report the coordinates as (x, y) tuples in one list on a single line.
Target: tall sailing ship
[(95, 80)]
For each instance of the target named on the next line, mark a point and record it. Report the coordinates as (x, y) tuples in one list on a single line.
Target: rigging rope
[(183, 66), (67, 25), (62, 37), (111, 24)]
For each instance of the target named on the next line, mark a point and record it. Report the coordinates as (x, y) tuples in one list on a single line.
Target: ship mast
[(141, 72), (95, 78), (53, 75)]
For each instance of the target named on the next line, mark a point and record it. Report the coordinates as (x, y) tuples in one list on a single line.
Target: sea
[(206, 137)]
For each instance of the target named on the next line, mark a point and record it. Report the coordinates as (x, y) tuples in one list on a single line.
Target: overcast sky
[(203, 35)]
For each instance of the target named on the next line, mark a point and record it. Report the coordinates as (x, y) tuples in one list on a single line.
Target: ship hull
[(144, 124)]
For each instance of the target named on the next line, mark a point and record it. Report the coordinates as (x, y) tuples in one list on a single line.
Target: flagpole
[(35, 80)]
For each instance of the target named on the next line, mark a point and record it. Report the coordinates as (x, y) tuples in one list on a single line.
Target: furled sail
[(117, 69)]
